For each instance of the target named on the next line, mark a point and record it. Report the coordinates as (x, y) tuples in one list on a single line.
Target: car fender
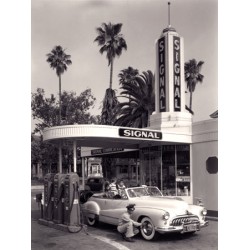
[(155, 214), (195, 209), (91, 207)]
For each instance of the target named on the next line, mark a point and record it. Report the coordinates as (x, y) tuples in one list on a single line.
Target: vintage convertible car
[(157, 213)]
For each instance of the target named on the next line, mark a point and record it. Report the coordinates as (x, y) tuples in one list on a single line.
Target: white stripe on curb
[(37, 187), (111, 242)]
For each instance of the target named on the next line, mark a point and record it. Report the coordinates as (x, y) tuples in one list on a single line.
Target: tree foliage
[(75, 109), (43, 153), (127, 76), (58, 59), (141, 104), (47, 155)]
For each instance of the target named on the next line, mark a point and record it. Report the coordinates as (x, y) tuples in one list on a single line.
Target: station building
[(173, 153)]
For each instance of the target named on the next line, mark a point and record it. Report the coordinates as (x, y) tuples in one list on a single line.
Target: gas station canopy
[(105, 136)]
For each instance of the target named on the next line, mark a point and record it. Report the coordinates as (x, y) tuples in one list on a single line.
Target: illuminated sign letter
[(162, 94), (161, 74), (177, 80), (176, 68), (177, 74), (176, 43), (161, 69)]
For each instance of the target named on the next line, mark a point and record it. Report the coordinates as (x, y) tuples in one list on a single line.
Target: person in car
[(121, 189), (106, 185), (120, 185), (126, 226), (112, 189)]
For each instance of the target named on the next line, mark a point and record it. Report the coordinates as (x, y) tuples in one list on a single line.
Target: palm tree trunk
[(111, 73), (59, 100), (190, 102)]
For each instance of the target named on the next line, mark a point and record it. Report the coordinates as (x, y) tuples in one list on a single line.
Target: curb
[(212, 218), (37, 187), (62, 227), (47, 223)]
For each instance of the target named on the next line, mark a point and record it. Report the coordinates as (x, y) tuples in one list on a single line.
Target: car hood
[(179, 207)]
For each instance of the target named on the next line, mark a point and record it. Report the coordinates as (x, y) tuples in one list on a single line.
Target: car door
[(112, 209)]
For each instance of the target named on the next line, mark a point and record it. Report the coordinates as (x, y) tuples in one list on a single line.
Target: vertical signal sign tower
[(169, 82)]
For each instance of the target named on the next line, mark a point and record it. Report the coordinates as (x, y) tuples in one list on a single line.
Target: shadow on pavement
[(35, 214)]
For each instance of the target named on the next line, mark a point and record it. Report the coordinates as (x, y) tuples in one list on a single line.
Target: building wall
[(205, 145)]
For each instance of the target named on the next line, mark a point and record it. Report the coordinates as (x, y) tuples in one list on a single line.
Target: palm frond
[(136, 111), (117, 28)]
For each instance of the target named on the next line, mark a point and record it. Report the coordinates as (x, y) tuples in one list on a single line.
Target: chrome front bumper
[(180, 229)]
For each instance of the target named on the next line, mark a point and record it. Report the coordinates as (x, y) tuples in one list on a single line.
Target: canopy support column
[(137, 180), (74, 155), (60, 158), (83, 172)]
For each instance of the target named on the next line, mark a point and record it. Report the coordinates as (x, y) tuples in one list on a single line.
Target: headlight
[(166, 216), (204, 211)]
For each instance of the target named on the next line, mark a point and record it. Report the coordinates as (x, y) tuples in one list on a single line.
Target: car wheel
[(148, 229), (91, 221)]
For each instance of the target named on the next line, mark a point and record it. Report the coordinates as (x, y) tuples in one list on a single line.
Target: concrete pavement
[(44, 237)]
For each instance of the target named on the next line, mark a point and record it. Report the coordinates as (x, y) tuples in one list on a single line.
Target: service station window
[(168, 170), (183, 170), (167, 167)]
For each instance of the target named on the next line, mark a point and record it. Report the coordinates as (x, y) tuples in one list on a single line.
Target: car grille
[(184, 220)]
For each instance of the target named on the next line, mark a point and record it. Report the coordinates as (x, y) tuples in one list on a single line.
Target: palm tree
[(192, 77), (127, 76), (136, 112), (59, 61), (112, 43)]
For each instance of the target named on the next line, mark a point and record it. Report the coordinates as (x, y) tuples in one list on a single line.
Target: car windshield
[(154, 191), (143, 191)]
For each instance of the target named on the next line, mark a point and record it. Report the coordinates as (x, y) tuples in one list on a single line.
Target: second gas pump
[(58, 211)]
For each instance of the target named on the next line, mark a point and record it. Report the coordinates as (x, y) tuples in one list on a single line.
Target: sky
[(72, 24)]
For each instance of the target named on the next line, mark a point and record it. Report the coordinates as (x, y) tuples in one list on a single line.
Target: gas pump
[(48, 196), (58, 208), (71, 201)]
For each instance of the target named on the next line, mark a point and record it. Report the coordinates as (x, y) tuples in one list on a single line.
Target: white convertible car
[(157, 213)]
